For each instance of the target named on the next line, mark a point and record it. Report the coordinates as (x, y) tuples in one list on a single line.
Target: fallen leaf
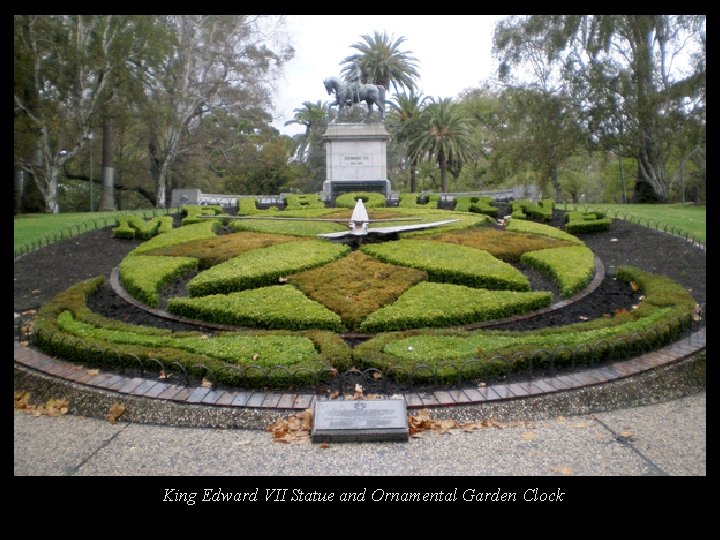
[(93, 372), (560, 420), (634, 286), (295, 428), (528, 435), (36, 291), (115, 412), (56, 407), (206, 383), (324, 445), (24, 343), (581, 425), (30, 311), (163, 374), (358, 388), (562, 470), (334, 394), (22, 399), (627, 434)]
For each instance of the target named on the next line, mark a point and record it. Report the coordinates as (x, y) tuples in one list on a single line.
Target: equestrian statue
[(348, 94)]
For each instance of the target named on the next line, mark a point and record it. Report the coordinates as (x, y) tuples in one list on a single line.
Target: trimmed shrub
[(303, 202), (370, 200), (586, 222), (289, 227), (278, 307), (178, 236), (438, 305), (481, 353), (571, 267), (124, 231), (356, 285), (505, 245), (192, 212), (110, 343), (247, 206), (544, 230), (455, 264), (262, 267), (144, 276)]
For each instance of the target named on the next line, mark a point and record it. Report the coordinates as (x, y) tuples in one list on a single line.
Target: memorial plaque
[(380, 420)]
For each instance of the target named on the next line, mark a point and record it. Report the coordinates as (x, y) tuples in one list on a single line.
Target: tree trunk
[(107, 202), (443, 173), (19, 190), (50, 191), (413, 174)]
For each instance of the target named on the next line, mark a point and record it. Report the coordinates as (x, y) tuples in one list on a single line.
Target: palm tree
[(382, 62), (405, 121), (314, 116), (308, 147), (443, 136)]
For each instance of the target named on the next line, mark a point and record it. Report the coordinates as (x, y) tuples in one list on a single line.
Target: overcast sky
[(454, 52)]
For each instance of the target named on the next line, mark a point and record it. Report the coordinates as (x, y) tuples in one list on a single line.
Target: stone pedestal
[(355, 159)]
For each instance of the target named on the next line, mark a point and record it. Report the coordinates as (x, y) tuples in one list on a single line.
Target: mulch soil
[(42, 274)]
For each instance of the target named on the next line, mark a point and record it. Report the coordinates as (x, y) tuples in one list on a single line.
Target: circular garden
[(260, 300)]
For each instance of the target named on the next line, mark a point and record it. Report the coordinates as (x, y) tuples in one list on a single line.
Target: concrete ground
[(666, 438)]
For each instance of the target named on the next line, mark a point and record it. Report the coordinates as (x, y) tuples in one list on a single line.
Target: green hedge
[(124, 231), (478, 205), (370, 200), (303, 202), (143, 276), (572, 268), (247, 206), (437, 305), (277, 307), (477, 352), (451, 263), (262, 267), (66, 328), (192, 212), (586, 222), (178, 236), (542, 229), (294, 228)]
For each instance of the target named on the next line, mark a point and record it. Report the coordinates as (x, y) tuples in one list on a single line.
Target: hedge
[(303, 202), (124, 231), (542, 229), (291, 227), (278, 307), (586, 222), (143, 276), (65, 327), (572, 268), (370, 200), (450, 263), (178, 236), (261, 267), (438, 305), (477, 352)]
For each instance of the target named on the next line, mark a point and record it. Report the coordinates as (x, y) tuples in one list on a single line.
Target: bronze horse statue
[(347, 95)]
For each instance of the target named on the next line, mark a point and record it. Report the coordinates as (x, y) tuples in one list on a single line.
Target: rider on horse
[(354, 79)]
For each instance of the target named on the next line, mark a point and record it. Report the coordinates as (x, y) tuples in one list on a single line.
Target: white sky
[(454, 52)]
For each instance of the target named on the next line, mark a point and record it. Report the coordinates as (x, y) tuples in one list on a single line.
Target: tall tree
[(404, 124), (443, 136), (594, 50), (382, 62), (217, 62), (308, 147), (63, 65)]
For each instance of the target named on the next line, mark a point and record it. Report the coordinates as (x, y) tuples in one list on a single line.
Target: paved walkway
[(663, 439)]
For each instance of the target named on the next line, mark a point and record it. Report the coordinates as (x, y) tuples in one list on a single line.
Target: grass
[(35, 230), (685, 218)]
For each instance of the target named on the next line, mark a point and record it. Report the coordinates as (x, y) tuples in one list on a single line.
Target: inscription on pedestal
[(360, 421)]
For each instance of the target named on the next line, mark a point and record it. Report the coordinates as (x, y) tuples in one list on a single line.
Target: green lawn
[(43, 229), (685, 218)]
